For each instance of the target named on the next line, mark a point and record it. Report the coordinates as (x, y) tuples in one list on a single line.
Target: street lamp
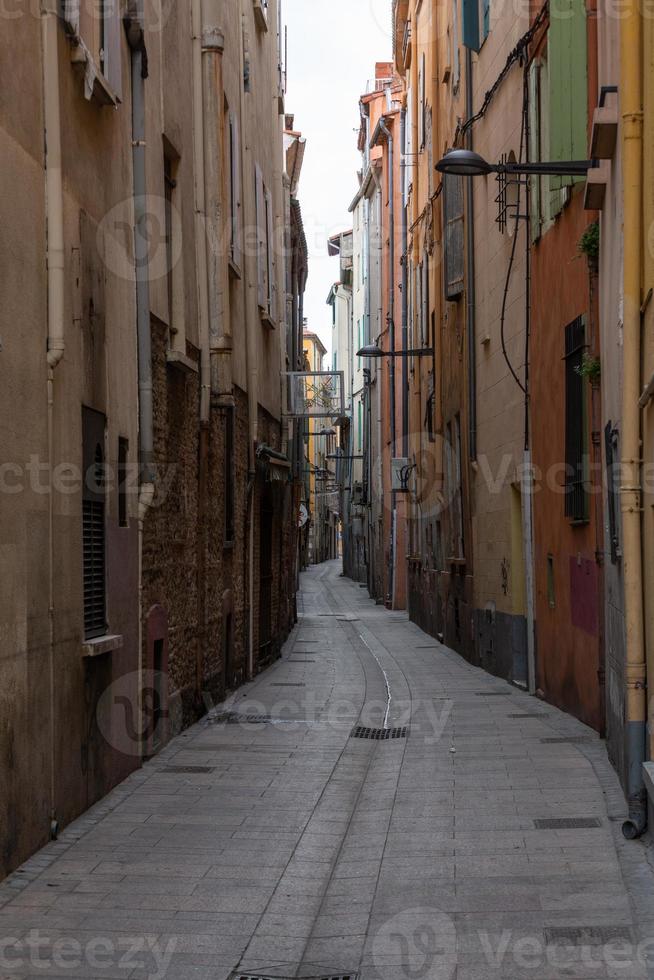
[(466, 163), (374, 351), (326, 432)]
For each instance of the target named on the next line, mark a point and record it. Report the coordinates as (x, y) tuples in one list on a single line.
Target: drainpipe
[(251, 320), (54, 212), (200, 212), (135, 38), (405, 298), (471, 299), (391, 325), (213, 130), (631, 64)]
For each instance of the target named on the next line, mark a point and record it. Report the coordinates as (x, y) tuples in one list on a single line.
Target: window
[(230, 475), (551, 588), (424, 293), (93, 524), (456, 53), (475, 16), (422, 107), (576, 448), (96, 32), (173, 249), (612, 478), (233, 169), (123, 510), (453, 475), (454, 238), (266, 290)]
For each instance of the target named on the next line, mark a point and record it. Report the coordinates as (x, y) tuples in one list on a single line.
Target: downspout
[(54, 213), (135, 39), (528, 482), (200, 212), (391, 327), (471, 298), (251, 317), (213, 131), (405, 298), (631, 63)]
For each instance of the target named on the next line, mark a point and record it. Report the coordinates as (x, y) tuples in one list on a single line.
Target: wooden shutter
[(470, 18), (113, 56), (93, 524), (454, 237), (534, 148), (235, 184), (262, 298), (270, 258), (568, 89), (576, 495), (421, 107), (424, 293)]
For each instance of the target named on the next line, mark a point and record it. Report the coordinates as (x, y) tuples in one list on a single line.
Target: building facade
[(151, 519)]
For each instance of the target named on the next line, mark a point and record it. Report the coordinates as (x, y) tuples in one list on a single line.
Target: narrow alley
[(477, 836)]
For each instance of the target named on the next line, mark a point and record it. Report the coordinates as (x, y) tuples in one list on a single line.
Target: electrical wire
[(519, 53)]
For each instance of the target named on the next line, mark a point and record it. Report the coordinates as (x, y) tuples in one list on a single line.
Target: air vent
[(378, 734), (567, 823), (179, 770)]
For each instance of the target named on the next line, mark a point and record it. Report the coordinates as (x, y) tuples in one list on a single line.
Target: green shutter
[(568, 88), (470, 17)]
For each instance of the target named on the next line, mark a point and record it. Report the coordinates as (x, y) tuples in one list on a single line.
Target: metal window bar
[(576, 454)]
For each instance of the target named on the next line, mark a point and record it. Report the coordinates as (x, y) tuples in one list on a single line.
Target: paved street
[(269, 841)]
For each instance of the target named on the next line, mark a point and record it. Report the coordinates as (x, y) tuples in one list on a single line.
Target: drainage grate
[(378, 734), (494, 694), (567, 823), (573, 740), (187, 769), (534, 714), (230, 718), (289, 684), (587, 935), (261, 976), (298, 661)]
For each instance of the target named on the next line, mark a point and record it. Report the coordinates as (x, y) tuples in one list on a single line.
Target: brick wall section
[(188, 568)]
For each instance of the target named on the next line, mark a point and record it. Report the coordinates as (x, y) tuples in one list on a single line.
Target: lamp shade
[(464, 163)]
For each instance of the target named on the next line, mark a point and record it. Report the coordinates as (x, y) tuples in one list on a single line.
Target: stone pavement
[(482, 842)]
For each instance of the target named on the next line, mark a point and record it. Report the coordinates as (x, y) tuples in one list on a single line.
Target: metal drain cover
[(571, 740), (187, 769), (567, 823), (378, 734), (261, 976), (295, 684), (535, 714)]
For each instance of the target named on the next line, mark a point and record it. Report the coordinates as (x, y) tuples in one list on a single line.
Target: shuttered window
[(576, 443), (454, 237), (93, 524), (266, 287), (235, 189), (567, 52)]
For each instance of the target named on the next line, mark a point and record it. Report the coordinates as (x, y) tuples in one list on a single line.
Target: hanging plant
[(591, 369), (589, 243)]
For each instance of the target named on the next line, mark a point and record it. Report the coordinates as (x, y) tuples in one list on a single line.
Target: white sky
[(332, 50)]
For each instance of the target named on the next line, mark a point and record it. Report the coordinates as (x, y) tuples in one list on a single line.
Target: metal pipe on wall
[(631, 95), (134, 26), (391, 328), (54, 245)]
